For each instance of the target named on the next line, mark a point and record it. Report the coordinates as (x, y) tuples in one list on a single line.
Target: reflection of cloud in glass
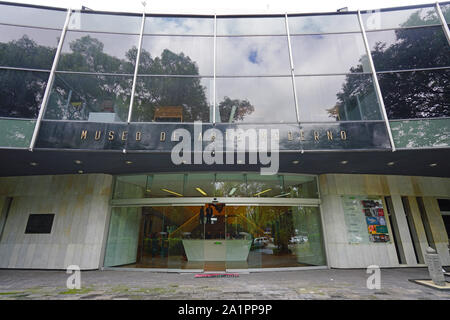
[(331, 53), (272, 98), (316, 95), (252, 56), (174, 25), (32, 16), (199, 49), (401, 18), (105, 22), (115, 45), (251, 26), (325, 23), (42, 37)]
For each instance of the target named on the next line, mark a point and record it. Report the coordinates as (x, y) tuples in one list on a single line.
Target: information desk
[(217, 249)]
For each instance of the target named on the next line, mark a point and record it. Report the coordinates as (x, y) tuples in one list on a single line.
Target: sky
[(225, 6)]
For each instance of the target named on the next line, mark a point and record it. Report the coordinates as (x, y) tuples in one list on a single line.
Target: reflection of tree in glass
[(420, 94), (234, 110), (20, 91)]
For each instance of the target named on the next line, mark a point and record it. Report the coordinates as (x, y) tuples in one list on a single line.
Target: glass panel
[(421, 133), (246, 239), (337, 98), (165, 185), (130, 187), (177, 25), (419, 94), (296, 186), (89, 97), (254, 100), (16, 132), (98, 52), (215, 185), (199, 185), (105, 22), (409, 48), (185, 235), (253, 56), (231, 185), (278, 237), (251, 26), (122, 245), (264, 186), (323, 23), (21, 93), (27, 47), (171, 99), (177, 55), (330, 53), (400, 18), (32, 16), (446, 12)]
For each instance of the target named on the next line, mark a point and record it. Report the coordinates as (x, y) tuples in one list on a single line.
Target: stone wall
[(80, 204)]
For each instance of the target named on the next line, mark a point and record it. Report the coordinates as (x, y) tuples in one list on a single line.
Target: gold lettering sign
[(124, 135), (316, 136), (290, 138), (330, 135), (111, 135), (98, 134), (302, 135), (162, 136), (138, 136), (343, 135), (83, 135)]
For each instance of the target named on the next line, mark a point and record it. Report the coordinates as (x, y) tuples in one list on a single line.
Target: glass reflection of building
[(295, 70)]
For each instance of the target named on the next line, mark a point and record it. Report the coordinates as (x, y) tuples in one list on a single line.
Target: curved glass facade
[(228, 69)]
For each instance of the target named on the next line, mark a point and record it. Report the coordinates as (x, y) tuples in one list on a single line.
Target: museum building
[(134, 140)]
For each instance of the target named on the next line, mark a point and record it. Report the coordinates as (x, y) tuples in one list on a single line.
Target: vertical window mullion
[(50, 82), (138, 55), (375, 81)]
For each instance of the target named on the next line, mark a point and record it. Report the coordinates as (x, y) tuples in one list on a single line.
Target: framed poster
[(365, 219)]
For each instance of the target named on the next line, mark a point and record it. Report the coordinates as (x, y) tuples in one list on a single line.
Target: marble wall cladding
[(80, 204), (342, 254)]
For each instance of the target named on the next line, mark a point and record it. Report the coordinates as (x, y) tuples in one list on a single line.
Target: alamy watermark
[(73, 281), (373, 281), (261, 146)]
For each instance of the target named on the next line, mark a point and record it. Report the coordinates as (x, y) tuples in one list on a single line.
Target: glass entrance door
[(215, 237)]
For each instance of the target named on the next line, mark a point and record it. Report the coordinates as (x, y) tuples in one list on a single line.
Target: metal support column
[(133, 88), (375, 81), (444, 23), (292, 67), (50, 81), (214, 70)]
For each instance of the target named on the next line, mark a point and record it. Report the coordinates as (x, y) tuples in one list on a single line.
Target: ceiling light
[(433, 165), (80, 171), (282, 195), (264, 191), (391, 163), (78, 161), (128, 162), (172, 192), (344, 162), (295, 162), (201, 191), (34, 164), (232, 191)]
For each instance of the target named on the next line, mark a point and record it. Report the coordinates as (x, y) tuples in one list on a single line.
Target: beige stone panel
[(323, 185), (418, 224), (437, 228)]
